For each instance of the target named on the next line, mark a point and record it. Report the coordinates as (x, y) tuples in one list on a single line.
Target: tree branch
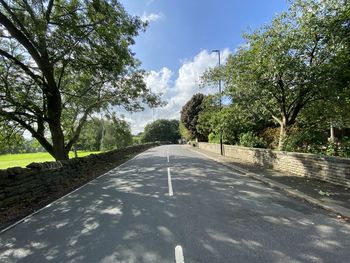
[(21, 38), (49, 10), (80, 126), (12, 116), (77, 131), (312, 53), (21, 65), (15, 18)]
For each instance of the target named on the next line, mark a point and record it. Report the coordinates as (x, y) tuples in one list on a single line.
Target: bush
[(305, 140), (340, 148), (214, 138), (271, 137), (344, 147), (249, 139)]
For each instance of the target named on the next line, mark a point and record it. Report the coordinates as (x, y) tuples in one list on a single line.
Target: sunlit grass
[(23, 159)]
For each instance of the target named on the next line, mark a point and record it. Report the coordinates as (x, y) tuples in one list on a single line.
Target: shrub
[(305, 140), (340, 148), (214, 138), (271, 137), (249, 139)]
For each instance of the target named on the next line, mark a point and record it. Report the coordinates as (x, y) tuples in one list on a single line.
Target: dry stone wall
[(331, 169), (24, 185)]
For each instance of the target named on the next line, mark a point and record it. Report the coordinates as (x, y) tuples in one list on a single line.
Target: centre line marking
[(167, 155), (170, 184), (179, 256)]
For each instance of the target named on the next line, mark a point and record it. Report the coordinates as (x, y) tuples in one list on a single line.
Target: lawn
[(23, 159)]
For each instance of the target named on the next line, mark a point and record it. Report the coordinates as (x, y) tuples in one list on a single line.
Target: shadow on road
[(217, 216)]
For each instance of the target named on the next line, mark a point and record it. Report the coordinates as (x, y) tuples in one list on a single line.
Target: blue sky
[(175, 48)]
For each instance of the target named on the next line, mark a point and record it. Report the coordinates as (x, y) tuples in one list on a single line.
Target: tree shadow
[(216, 215)]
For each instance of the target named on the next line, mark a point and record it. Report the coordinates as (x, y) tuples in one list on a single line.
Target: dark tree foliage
[(162, 130), (189, 116)]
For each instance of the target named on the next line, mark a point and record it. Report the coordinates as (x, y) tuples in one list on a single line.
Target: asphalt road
[(186, 208)]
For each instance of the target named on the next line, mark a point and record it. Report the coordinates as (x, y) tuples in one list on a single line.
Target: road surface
[(170, 204)]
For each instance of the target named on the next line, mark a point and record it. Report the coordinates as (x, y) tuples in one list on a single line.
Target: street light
[(218, 51)]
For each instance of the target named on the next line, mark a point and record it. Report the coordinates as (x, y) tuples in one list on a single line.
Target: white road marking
[(179, 256), (167, 155), (170, 184)]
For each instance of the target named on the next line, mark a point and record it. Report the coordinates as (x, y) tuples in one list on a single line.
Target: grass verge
[(23, 159)]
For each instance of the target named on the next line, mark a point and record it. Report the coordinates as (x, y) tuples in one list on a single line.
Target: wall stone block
[(331, 169)]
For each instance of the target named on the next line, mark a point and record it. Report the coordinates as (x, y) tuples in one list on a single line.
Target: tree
[(10, 141), (185, 134), (231, 120), (61, 61), (189, 116), (116, 134), (105, 134), (91, 135), (296, 60), (162, 130)]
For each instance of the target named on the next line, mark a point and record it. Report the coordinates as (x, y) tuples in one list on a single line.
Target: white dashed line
[(167, 155), (169, 183), (179, 256)]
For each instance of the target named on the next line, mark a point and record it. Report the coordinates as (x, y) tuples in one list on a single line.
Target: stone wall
[(21, 186), (331, 169)]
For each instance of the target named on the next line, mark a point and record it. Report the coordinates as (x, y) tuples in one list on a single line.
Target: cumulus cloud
[(159, 81), (152, 17), (177, 89)]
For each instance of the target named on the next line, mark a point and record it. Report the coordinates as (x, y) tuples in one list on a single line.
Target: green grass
[(23, 159)]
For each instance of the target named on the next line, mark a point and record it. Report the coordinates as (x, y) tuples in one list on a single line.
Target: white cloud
[(175, 92), (159, 81), (152, 17)]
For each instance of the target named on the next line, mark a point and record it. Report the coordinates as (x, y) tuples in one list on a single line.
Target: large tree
[(189, 116), (162, 130), (116, 133), (231, 120), (106, 133), (61, 61), (300, 58)]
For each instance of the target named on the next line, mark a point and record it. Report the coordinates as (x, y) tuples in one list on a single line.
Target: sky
[(176, 47)]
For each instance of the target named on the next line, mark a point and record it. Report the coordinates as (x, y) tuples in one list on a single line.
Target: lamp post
[(218, 51)]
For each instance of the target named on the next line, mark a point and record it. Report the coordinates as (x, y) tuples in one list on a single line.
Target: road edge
[(75, 190), (339, 210)]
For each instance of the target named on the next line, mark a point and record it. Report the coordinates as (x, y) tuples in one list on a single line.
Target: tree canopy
[(101, 134), (189, 116), (301, 58), (162, 130), (61, 61)]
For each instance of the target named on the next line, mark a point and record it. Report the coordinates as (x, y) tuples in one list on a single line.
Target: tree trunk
[(283, 133), (332, 138), (54, 111), (57, 136)]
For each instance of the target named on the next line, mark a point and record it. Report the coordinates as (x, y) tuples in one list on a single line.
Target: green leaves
[(189, 116), (301, 57), (161, 130), (61, 61)]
